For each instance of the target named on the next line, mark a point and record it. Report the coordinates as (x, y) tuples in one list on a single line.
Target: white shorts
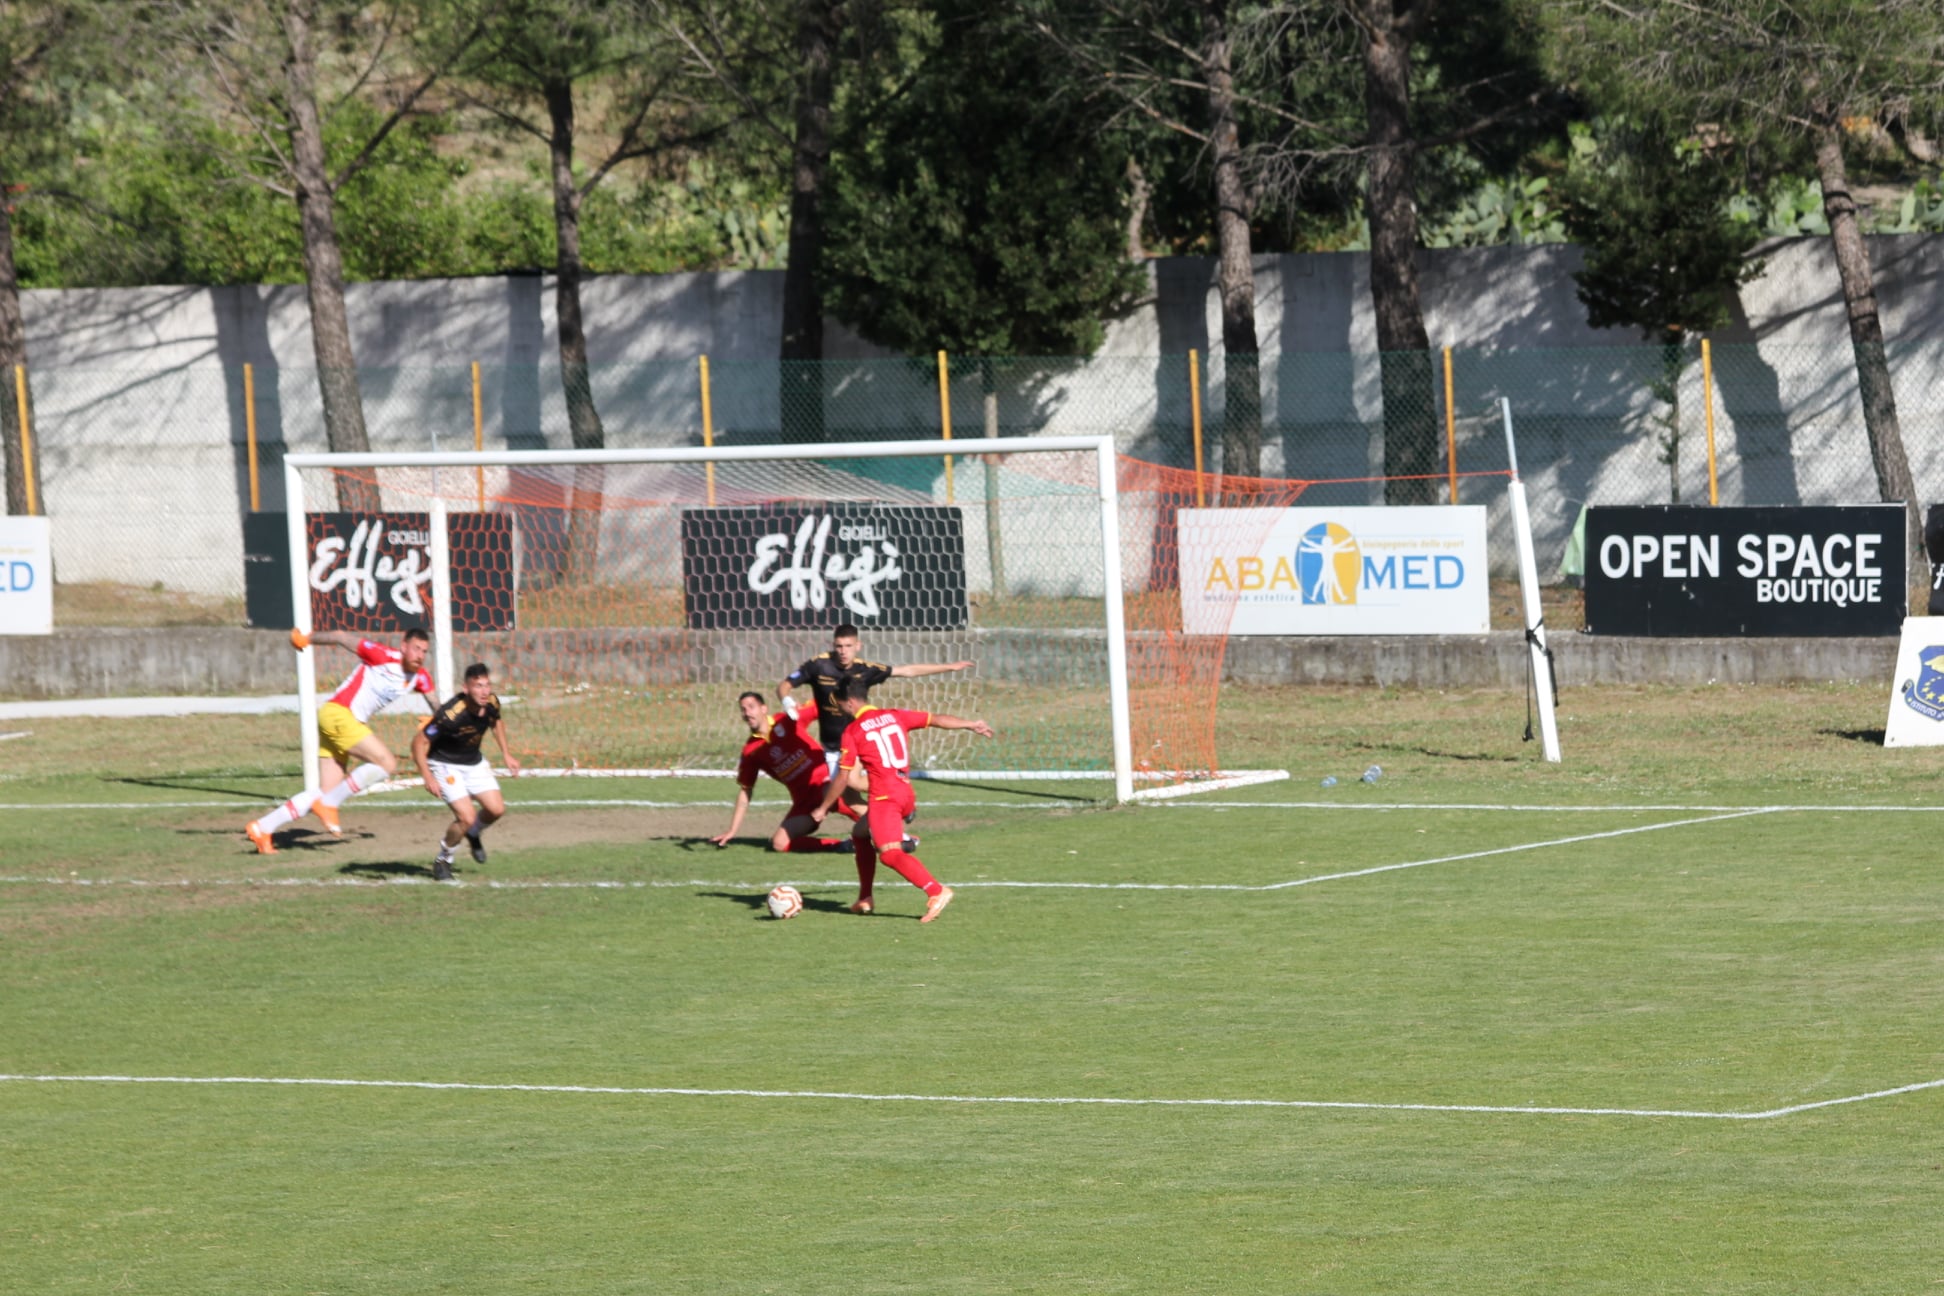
[(457, 782)]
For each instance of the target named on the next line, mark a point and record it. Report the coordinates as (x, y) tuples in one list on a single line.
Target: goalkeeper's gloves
[(299, 640), (789, 706)]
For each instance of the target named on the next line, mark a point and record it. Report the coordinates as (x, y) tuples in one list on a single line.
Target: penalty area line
[(672, 1091)]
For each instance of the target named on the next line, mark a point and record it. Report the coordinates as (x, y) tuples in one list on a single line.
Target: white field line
[(1217, 783), (1038, 803), (993, 1100), (242, 806), (822, 884), (1535, 809)]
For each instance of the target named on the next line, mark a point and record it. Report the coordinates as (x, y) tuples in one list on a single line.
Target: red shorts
[(804, 798), (891, 803)]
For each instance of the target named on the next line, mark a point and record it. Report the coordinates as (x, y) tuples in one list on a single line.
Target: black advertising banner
[(372, 572), (1934, 548), (799, 567), (1686, 570)]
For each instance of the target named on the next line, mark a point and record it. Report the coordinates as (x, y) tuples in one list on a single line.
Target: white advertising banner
[(26, 576), (1917, 689), (1334, 571)]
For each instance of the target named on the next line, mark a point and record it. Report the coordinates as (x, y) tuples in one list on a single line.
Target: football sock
[(866, 868), (814, 845), (360, 778), (912, 870), (289, 812)]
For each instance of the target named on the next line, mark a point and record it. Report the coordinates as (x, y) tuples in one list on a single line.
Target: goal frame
[(1107, 484)]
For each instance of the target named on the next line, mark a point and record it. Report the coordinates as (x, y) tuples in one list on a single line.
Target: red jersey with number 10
[(879, 739)]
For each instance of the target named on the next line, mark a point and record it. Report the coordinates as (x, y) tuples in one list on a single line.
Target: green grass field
[(597, 1067)]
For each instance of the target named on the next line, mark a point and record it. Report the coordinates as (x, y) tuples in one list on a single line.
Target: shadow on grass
[(755, 901), (257, 794), (1013, 791), (302, 839), (1874, 737), (386, 870)]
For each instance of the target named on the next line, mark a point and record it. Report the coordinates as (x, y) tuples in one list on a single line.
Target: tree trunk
[(1404, 350), (583, 419), (995, 547), (1894, 482), (1242, 406), (13, 352), (818, 25), (1673, 361), (337, 366)]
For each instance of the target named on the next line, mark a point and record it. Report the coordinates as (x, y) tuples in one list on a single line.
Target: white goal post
[(1103, 487)]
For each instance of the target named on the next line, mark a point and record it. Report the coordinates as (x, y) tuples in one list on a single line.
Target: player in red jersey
[(878, 743), (350, 757), (783, 749)]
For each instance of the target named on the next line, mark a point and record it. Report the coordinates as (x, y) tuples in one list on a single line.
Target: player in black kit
[(455, 771), (828, 673)]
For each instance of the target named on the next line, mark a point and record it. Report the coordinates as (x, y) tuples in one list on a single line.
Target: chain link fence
[(147, 474)]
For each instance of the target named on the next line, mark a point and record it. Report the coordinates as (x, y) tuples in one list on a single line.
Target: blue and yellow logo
[(1328, 563), (1925, 694)]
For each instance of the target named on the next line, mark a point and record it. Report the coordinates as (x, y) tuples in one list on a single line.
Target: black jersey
[(456, 730), (826, 680)]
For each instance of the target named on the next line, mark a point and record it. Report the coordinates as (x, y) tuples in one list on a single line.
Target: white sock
[(445, 851), (359, 779), (289, 812)]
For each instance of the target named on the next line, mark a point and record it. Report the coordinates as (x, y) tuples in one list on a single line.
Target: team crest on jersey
[(1925, 694), (1328, 563)]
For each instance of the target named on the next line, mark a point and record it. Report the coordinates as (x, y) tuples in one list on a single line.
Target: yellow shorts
[(338, 731)]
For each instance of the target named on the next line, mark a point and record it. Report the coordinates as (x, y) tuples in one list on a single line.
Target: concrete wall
[(141, 413), (224, 662)]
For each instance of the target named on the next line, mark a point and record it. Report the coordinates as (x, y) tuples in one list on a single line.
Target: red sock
[(812, 845), (912, 869), (866, 868)]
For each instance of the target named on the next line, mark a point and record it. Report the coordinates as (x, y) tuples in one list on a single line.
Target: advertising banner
[(1334, 571), (1687, 570), (26, 576), (372, 572), (797, 567), (1917, 688)]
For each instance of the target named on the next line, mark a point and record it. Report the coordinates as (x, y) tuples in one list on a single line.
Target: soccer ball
[(785, 902)]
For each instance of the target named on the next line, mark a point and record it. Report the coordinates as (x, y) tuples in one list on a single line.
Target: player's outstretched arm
[(421, 753), (324, 639), (978, 727), (735, 820), (832, 790), (911, 670), (506, 751)]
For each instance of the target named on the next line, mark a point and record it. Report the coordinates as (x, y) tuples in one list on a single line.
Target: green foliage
[(979, 213), (1663, 253), (1515, 211)]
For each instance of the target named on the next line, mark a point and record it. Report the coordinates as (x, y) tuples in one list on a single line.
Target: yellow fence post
[(1451, 430), (1707, 403), (708, 429), (26, 439), (1194, 404), (945, 416), (479, 437), (249, 432)]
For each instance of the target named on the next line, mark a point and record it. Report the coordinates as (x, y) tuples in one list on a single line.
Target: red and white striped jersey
[(378, 682)]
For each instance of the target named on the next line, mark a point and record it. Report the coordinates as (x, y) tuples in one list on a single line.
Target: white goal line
[(670, 1091)]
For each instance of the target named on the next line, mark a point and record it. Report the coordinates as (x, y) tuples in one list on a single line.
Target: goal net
[(625, 599)]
